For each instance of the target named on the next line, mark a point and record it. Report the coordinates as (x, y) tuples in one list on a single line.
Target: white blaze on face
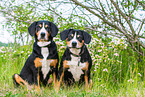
[(43, 30), (75, 40)]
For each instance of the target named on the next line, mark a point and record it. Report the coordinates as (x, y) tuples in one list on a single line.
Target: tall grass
[(115, 71)]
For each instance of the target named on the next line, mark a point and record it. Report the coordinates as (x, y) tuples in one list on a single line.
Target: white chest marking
[(41, 44), (75, 51), (45, 63), (74, 68)]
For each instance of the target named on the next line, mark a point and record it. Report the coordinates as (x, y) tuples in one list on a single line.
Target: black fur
[(84, 56), (29, 71)]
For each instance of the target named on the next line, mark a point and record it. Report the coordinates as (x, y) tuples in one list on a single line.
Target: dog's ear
[(32, 28), (54, 29), (64, 34), (87, 37)]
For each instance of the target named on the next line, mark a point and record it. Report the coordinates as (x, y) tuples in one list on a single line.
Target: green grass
[(113, 75)]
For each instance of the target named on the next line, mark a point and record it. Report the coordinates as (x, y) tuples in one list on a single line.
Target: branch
[(104, 20), (124, 16), (143, 5), (141, 26)]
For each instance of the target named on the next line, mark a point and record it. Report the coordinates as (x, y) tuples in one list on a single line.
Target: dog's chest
[(75, 67), (45, 63)]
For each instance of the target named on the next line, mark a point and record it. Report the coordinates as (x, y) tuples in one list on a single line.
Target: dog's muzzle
[(42, 35), (74, 44)]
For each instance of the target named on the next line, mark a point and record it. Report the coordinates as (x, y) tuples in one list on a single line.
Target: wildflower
[(1, 51), (2, 47), (22, 51), (97, 56), (130, 80), (93, 41), (14, 51), (139, 74), (116, 54), (106, 70), (99, 50), (125, 46)]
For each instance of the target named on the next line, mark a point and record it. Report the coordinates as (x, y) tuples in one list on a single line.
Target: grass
[(115, 72)]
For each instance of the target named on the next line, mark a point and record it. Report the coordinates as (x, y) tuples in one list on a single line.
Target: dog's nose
[(42, 34), (74, 44)]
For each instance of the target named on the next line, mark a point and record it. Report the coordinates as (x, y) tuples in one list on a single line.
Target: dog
[(44, 58), (76, 61)]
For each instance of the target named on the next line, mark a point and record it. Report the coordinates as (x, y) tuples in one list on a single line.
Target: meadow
[(116, 71)]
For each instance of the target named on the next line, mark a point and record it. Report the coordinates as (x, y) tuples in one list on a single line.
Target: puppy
[(76, 61), (44, 58)]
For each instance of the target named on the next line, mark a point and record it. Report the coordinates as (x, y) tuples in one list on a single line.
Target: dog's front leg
[(61, 73), (38, 63), (36, 80), (54, 63), (86, 75)]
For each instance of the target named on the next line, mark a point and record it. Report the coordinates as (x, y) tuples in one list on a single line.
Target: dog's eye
[(70, 37), (46, 28), (38, 28), (79, 37)]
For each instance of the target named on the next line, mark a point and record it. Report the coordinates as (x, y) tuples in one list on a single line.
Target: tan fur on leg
[(86, 82), (19, 80), (58, 85)]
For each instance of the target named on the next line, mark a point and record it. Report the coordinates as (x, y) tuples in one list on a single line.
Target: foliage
[(3, 44), (115, 71), (121, 18), (117, 47)]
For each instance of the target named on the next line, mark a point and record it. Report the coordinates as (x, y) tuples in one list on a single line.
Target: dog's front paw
[(37, 88)]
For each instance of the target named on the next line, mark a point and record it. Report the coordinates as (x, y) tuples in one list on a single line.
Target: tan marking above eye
[(40, 25), (78, 35), (46, 26), (72, 35)]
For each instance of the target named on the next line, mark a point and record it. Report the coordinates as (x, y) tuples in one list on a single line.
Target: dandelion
[(105, 70)]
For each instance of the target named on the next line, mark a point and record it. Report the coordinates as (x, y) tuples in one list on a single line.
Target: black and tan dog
[(44, 59), (76, 62)]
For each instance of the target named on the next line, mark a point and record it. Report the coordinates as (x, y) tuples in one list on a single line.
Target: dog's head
[(43, 30), (75, 38)]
